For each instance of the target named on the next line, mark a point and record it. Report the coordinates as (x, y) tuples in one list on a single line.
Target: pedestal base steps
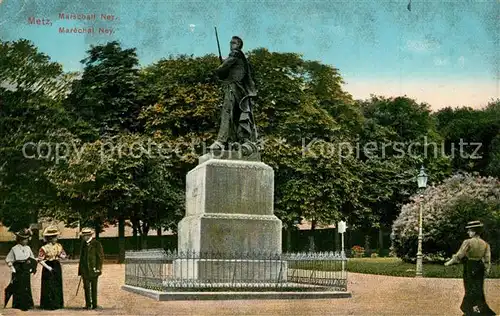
[(234, 295)]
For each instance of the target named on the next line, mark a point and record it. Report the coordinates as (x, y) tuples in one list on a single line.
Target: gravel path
[(371, 295)]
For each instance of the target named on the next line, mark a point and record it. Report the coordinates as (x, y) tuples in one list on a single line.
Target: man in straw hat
[(90, 266), (476, 254), (22, 263), (49, 256)]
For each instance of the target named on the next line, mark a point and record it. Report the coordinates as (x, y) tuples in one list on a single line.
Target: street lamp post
[(422, 184)]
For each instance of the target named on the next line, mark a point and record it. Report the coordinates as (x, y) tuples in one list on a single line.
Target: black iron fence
[(162, 270)]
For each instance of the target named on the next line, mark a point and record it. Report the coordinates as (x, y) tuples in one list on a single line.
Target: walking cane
[(78, 288)]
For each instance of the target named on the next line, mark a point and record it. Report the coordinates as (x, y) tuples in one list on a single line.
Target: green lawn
[(396, 267)]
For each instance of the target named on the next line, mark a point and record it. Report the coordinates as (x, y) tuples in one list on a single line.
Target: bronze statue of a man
[(237, 123)]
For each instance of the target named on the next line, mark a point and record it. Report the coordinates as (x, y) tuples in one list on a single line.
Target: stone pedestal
[(229, 212)]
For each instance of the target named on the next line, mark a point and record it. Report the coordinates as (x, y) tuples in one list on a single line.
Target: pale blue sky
[(371, 42)]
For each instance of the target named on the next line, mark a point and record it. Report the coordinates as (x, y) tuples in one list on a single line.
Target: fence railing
[(162, 270)]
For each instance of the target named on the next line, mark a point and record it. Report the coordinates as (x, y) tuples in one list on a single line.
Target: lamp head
[(422, 178)]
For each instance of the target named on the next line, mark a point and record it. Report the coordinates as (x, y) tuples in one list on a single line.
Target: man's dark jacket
[(91, 259)]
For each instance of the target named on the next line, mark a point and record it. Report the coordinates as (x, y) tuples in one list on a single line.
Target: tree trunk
[(121, 239), (367, 245), (312, 246), (139, 235), (35, 238), (159, 234), (97, 229), (134, 236), (144, 235), (348, 242), (289, 239), (135, 232), (381, 241), (337, 239)]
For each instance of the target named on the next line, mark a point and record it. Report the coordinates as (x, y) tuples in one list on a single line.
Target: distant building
[(305, 225), (71, 233), (112, 230)]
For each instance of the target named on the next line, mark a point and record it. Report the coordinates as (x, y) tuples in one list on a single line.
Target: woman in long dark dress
[(51, 296), (20, 261), (476, 256)]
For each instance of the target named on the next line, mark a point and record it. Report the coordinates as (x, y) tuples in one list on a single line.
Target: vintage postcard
[(255, 157)]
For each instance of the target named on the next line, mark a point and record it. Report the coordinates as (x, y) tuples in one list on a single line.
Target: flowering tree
[(446, 210)]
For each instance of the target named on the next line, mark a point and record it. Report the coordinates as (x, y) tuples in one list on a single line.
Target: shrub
[(358, 251), (446, 209), (439, 257)]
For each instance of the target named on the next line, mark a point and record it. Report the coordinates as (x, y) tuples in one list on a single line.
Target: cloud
[(440, 61), (421, 46), (461, 61), (338, 30)]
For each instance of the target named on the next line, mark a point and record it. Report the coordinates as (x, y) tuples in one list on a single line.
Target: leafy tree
[(30, 113), (305, 116), (117, 178), (493, 167), (471, 137), (398, 136), (409, 119), (106, 94), (325, 82), (24, 68), (104, 104), (314, 185)]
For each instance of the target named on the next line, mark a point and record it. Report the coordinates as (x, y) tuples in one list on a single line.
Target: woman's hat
[(86, 232), (474, 224), (24, 233), (51, 231)]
